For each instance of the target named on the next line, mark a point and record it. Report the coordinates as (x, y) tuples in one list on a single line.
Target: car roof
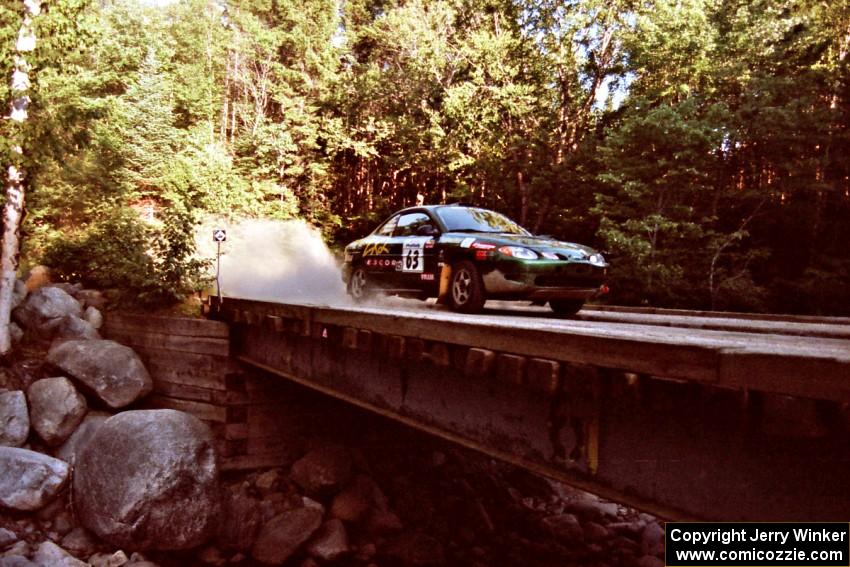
[(431, 208)]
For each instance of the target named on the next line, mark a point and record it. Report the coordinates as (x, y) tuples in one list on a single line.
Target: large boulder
[(148, 479), (56, 409), (112, 371), (44, 308), (14, 418), (49, 554), (29, 480)]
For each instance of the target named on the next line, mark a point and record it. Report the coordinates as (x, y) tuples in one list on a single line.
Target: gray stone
[(73, 327), (113, 372), (148, 479), (330, 542), (322, 471), (91, 298), (595, 532), (565, 527), (49, 554), (593, 508), (7, 538), (81, 436), (63, 523), (79, 541), (29, 480), (14, 419), (44, 308), (241, 518), (56, 409), (19, 548), (15, 332), (19, 293), (16, 561), (117, 559), (93, 316), (652, 540), (357, 498), (284, 534)]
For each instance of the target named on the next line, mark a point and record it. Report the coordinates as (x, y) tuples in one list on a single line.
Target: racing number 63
[(412, 256)]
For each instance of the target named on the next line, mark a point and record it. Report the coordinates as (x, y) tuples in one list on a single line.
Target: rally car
[(465, 255)]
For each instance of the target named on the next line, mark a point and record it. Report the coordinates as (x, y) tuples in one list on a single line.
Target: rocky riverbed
[(87, 478)]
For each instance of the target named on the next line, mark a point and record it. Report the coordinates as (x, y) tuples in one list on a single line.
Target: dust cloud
[(280, 261)]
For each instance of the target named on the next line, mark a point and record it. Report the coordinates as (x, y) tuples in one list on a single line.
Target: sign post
[(219, 235)]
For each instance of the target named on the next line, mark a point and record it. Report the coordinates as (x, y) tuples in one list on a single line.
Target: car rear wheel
[(565, 306), (359, 287), (467, 288)]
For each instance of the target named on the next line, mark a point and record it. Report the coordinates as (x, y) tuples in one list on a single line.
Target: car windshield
[(468, 219)]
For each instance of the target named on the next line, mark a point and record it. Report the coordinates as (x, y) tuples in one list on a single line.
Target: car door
[(377, 254), (415, 251)]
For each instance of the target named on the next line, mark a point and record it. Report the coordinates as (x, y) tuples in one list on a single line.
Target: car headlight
[(518, 252), (596, 260)]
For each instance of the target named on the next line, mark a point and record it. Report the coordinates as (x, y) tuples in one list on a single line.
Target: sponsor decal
[(427, 277), (376, 249), (482, 255), (429, 243), (483, 246)]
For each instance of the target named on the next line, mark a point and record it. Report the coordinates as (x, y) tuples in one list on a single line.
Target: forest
[(703, 145)]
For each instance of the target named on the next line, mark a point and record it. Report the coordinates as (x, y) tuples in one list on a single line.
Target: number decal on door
[(412, 259)]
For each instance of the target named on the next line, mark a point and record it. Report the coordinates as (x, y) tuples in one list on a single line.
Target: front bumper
[(542, 280)]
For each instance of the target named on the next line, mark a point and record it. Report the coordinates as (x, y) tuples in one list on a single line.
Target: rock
[(63, 523), (14, 419), (117, 559), (49, 554), (241, 519), (592, 508), (595, 532), (91, 298), (15, 332), (652, 540), (93, 317), (211, 556), (415, 550), (284, 534), (19, 293), (29, 480), (382, 522), (44, 308), (16, 561), (112, 371), (330, 542), (81, 436), (358, 498), (36, 277), (323, 470), (56, 409), (267, 481), (565, 527), (79, 542), (7, 538), (72, 327), (18, 548), (148, 479)]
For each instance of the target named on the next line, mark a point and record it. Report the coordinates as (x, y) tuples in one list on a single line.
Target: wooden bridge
[(686, 415)]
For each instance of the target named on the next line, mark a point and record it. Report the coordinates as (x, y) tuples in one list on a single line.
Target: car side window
[(408, 224), (388, 227)]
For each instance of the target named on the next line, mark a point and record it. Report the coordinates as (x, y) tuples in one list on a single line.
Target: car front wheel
[(565, 306), (467, 288), (358, 285)]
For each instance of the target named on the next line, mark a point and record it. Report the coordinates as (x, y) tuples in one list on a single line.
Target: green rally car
[(465, 255)]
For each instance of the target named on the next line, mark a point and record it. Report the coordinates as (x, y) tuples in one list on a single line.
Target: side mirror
[(427, 230)]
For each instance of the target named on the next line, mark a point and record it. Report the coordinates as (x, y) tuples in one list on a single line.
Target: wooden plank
[(204, 411), (479, 362), (164, 359), (543, 375), (197, 345), (188, 378), (249, 462), (126, 322)]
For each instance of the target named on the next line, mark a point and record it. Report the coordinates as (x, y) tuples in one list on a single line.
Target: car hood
[(569, 250)]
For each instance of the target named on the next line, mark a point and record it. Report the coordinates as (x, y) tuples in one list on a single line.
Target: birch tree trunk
[(14, 207)]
